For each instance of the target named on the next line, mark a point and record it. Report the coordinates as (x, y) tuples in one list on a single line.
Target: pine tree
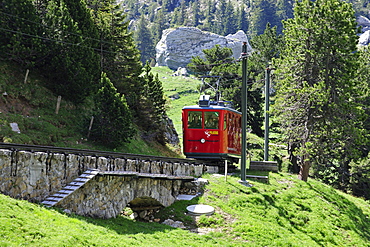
[(72, 62), (144, 41), (112, 125), (160, 24), (263, 12), (209, 16), (220, 19), (318, 93), (153, 106), (242, 20), (120, 58), (230, 24), (196, 14), (21, 32)]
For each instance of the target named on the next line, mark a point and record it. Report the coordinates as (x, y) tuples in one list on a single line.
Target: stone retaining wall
[(36, 175), (106, 196)]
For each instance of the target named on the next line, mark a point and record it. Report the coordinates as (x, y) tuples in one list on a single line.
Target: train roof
[(206, 104)]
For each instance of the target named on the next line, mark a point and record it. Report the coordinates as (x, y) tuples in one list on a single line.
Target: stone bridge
[(110, 185)]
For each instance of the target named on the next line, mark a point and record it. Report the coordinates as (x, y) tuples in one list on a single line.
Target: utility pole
[(267, 109), (244, 114)]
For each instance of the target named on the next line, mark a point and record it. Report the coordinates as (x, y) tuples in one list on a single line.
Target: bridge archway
[(144, 208), (107, 195)]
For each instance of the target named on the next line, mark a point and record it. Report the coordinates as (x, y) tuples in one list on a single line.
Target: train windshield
[(194, 120), (211, 120)]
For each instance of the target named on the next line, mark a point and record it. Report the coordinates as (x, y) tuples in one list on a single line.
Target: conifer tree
[(72, 62), (21, 32), (112, 125), (144, 41), (119, 56), (242, 20), (230, 24), (318, 91), (196, 14), (153, 106), (160, 24)]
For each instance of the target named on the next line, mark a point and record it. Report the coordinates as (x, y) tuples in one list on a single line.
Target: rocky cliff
[(178, 46)]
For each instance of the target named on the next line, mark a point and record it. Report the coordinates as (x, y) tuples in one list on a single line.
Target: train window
[(226, 117), (211, 120), (195, 120)]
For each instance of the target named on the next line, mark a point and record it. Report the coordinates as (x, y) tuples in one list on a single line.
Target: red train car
[(212, 131)]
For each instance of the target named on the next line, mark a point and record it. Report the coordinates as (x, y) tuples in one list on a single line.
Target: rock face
[(178, 46), (365, 26)]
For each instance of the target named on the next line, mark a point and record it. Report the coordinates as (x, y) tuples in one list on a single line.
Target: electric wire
[(68, 32), (58, 41)]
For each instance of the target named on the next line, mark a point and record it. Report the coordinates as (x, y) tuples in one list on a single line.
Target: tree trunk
[(294, 167), (304, 169)]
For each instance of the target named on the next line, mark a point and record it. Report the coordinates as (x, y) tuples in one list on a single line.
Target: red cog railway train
[(212, 131)]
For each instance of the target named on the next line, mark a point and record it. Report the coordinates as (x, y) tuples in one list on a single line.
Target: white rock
[(364, 38), (177, 46)]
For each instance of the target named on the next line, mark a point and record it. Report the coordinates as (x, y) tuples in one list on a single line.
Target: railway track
[(51, 149)]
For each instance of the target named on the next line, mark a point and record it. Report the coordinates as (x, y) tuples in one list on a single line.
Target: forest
[(99, 53)]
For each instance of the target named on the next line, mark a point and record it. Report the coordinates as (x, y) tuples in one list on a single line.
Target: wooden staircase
[(70, 188)]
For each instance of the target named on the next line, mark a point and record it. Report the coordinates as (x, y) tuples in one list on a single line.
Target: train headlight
[(202, 140)]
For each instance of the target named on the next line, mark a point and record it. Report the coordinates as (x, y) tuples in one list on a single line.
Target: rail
[(63, 150)]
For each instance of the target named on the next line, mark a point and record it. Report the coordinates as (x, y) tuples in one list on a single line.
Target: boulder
[(363, 22), (178, 45), (364, 38)]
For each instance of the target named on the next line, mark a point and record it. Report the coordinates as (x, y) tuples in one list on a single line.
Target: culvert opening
[(143, 209)]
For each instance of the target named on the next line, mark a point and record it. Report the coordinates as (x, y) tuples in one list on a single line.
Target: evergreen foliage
[(144, 41), (119, 56), (152, 106), (112, 124), (20, 28), (71, 63), (71, 42), (223, 73), (318, 89)]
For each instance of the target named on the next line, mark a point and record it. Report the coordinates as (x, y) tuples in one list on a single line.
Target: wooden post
[(25, 78), (58, 104), (225, 170), (90, 126)]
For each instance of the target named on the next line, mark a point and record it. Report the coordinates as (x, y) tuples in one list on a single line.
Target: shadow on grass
[(126, 226), (358, 221)]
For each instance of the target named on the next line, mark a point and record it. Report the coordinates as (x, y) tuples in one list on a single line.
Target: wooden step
[(262, 178), (70, 188), (264, 166)]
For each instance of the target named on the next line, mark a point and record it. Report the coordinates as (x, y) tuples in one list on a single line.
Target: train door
[(201, 133)]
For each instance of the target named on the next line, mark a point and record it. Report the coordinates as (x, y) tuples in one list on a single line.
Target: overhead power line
[(54, 40), (46, 26)]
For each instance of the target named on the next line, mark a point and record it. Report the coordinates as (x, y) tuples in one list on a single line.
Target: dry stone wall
[(106, 196), (34, 176)]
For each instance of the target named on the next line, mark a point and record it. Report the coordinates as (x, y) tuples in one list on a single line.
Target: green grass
[(32, 107), (186, 88), (286, 212)]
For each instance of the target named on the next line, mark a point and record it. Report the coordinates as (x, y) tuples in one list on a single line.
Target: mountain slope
[(286, 212)]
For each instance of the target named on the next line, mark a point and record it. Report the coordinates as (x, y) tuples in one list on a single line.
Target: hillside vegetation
[(286, 212), (33, 108)]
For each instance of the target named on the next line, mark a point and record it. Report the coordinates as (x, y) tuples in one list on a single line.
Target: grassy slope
[(186, 88), (32, 107), (286, 212)]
